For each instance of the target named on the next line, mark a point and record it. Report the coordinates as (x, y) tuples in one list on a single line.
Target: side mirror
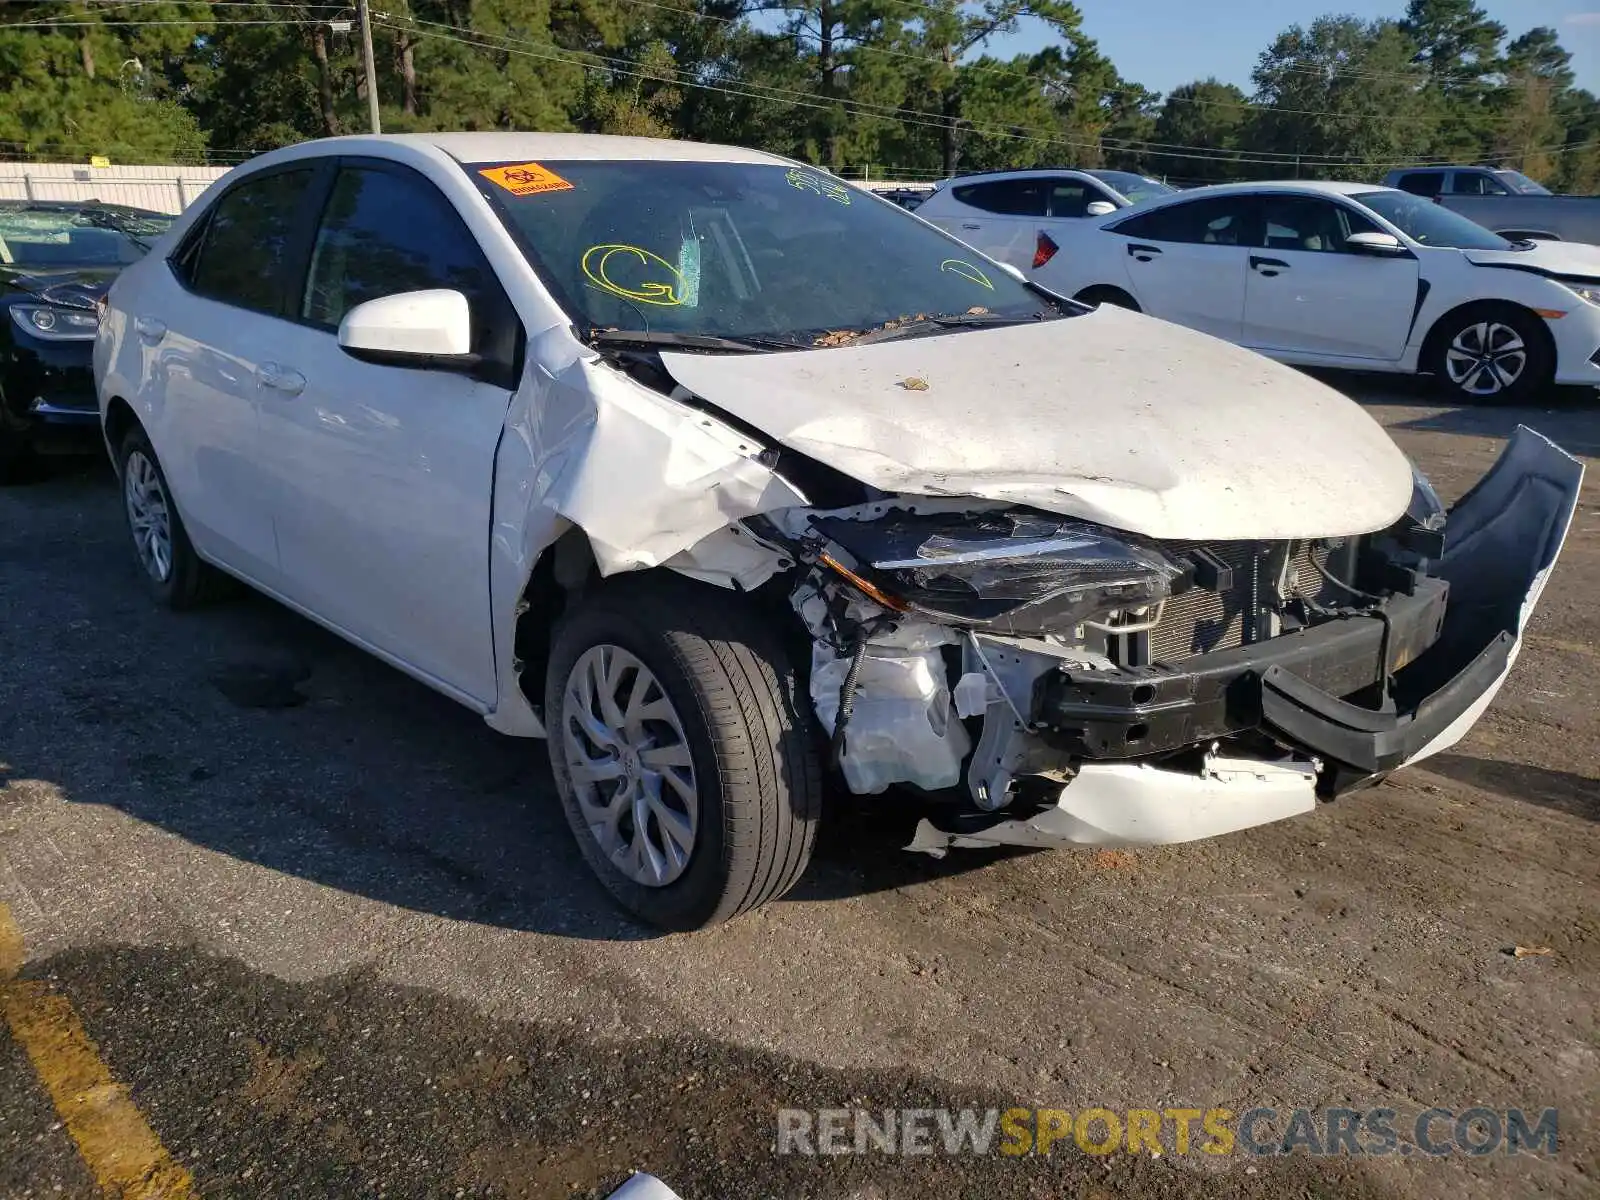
[(1382, 244), (1100, 208), (428, 329)]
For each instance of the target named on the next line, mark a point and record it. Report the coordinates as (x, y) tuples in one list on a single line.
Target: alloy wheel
[(1486, 358), (629, 765), (149, 515)]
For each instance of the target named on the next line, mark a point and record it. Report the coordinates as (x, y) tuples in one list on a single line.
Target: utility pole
[(365, 13)]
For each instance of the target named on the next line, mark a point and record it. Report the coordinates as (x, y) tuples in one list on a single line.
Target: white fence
[(166, 189)]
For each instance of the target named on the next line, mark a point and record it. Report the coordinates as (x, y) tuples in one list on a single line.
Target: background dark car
[(57, 259)]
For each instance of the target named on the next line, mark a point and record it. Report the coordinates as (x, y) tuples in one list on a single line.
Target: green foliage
[(889, 88)]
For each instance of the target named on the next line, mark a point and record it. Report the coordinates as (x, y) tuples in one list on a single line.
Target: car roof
[(473, 148), (1284, 187), (1016, 173)]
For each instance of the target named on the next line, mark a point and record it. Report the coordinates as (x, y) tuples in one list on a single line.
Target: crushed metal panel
[(1111, 417), (645, 477)]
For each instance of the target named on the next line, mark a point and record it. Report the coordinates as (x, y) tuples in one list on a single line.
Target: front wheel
[(1494, 353), (683, 750)]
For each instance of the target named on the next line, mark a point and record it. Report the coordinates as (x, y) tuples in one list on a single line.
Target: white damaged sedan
[(721, 474)]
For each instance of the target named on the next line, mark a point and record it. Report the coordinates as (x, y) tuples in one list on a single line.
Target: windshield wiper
[(687, 341), (926, 325)]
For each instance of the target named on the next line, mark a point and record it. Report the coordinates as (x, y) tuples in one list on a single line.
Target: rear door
[(204, 330), (999, 217), (1308, 292), (1186, 262)]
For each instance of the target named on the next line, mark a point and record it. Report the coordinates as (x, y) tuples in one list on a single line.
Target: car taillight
[(1043, 250)]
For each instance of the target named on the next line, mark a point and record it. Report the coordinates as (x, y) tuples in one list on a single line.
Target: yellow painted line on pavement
[(120, 1149)]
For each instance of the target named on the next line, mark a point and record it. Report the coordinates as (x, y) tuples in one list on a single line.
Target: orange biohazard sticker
[(526, 179)]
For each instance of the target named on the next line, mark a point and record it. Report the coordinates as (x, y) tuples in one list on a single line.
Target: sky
[(1162, 43)]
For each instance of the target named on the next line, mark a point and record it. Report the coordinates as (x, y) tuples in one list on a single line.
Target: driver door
[(1308, 292), (383, 475)]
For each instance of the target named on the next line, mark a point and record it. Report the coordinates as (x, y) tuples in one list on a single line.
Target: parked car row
[(1345, 275), (722, 476), (56, 261)]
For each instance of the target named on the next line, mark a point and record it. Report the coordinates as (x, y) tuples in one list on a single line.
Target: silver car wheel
[(629, 766), (149, 515), (1486, 358)]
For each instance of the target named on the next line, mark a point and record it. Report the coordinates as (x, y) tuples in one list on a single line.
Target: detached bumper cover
[(1450, 649)]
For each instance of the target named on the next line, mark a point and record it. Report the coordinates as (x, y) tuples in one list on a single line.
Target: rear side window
[(243, 255), (1006, 197), (1422, 183), (1214, 221), (1070, 198), (385, 232)]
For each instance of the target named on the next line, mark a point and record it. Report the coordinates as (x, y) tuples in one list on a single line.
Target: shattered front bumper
[(1342, 702)]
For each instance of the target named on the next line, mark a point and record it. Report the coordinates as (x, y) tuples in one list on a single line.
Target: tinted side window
[(243, 255), (1069, 198), (1422, 183), (1007, 197), (385, 232), (1300, 223), (1214, 221), (1476, 183)]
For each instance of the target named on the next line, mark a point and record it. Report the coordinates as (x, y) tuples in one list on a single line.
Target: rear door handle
[(1142, 252), (1267, 266), (280, 379), (970, 225), (150, 329)]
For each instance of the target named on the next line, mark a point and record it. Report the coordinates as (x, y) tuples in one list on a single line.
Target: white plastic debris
[(902, 728), (972, 695)]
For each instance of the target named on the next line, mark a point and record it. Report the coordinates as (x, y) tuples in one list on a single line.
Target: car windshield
[(1430, 224), (86, 236), (741, 250), (1518, 182), (1137, 188)]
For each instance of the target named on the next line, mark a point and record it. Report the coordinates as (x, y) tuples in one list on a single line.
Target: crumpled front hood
[(1111, 417)]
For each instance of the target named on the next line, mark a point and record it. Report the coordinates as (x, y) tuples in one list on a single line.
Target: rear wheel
[(1492, 353), (172, 571), (683, 751)]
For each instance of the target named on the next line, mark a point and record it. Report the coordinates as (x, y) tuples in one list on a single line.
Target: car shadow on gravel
[(250, 731), (349, 1085), (1563, 791)]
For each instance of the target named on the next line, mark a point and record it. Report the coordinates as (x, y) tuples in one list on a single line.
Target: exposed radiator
[(1198, 620)]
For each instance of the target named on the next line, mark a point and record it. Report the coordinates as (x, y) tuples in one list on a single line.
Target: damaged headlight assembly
[(1006, 572)]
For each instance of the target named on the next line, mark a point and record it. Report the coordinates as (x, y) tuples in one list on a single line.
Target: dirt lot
[(330, 932)]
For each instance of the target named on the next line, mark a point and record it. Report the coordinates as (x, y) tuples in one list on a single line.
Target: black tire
[(748, 727), (1094, 297), (188, 581), (1461, 329)]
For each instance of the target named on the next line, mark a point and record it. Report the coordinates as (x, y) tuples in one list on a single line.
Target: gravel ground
[(330, 930)]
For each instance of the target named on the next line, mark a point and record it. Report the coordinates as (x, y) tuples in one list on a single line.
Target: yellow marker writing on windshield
[(808, 182), (599, 261), (967, 271)]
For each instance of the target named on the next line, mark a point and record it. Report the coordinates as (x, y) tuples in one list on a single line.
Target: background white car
[(1014, 216), (1348, 275)]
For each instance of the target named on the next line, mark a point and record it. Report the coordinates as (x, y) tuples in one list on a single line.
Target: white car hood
[(1110, 417), (1559, 258)]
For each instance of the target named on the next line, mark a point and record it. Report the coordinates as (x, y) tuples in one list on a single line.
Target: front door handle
[(1267, 266), (970, 225), (1142, 252), (149, 328), (280, 379)]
